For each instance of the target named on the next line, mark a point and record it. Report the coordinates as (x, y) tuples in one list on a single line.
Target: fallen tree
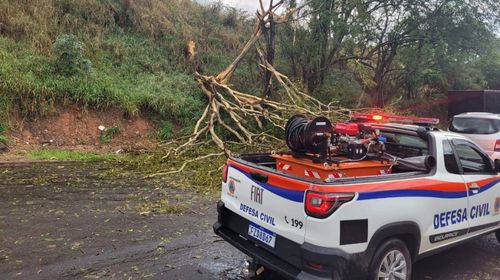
[(246, 116)]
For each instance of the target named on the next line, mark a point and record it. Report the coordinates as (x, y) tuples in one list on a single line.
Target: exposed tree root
[(185, 164), (246, 116)]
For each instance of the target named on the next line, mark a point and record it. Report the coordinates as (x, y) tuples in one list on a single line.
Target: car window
[(449, 158), (472, 160), (475, 125)]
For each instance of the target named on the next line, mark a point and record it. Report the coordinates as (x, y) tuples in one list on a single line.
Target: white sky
[(247, 5)]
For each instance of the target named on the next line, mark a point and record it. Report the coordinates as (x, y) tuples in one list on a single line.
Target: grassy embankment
[(117, 53)]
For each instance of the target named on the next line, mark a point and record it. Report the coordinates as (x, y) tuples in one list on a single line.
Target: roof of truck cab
[(399, 126), (414, 128)]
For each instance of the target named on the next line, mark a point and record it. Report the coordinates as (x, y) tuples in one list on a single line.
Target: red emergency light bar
[(393, 118)]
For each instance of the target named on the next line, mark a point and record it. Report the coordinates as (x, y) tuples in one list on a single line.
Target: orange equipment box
[(304, 167)]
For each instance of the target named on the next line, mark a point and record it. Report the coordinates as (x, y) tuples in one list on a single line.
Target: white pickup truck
[(362, 227)]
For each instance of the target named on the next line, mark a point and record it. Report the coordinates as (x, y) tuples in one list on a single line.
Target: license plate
[(264, 235)]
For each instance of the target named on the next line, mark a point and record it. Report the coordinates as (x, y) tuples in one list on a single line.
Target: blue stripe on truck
[(298, 196), (410, 193), (423, 193)]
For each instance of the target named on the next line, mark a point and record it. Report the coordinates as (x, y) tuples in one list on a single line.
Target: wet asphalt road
[(96, 221)]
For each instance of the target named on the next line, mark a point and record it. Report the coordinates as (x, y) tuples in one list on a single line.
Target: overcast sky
[(247, 5)]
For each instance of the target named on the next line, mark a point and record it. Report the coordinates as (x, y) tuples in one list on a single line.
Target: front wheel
[(391, 261)]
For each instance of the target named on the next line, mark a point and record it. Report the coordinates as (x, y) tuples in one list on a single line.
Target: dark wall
[(492, 101), (473, 101)]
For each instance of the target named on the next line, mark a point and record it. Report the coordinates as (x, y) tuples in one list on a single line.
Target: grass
[(108, 134), (135, 55), (66, 155), (29, 82)]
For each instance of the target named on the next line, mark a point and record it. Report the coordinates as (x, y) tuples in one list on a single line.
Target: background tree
[(393, 48)]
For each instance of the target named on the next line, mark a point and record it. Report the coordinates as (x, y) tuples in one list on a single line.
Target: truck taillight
[(224, 173), (497, 146), (322, 205)]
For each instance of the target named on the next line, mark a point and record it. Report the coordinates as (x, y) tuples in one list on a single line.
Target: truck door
[(449, 223), (483, 186)]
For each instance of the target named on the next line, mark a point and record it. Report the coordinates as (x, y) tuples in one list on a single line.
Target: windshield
[(475, 125)]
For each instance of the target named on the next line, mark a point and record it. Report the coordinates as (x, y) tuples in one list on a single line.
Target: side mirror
[(497, 165)]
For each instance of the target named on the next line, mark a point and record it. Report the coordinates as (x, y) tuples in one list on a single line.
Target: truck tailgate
[(271, 203)]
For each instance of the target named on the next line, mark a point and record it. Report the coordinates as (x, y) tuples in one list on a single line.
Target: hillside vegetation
[(130, 54), (103, 53)]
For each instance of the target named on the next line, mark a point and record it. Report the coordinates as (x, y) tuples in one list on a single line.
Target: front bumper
[(290, 259)]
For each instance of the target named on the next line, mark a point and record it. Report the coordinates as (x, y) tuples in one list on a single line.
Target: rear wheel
[(391, 261), (497, 233)]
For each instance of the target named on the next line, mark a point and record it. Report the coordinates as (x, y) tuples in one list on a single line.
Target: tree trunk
[(270, 34)]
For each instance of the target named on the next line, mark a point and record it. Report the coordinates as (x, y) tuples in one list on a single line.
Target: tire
[(391, 261), (497, 233)]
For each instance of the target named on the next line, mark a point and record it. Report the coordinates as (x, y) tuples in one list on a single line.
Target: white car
[(482, 128)]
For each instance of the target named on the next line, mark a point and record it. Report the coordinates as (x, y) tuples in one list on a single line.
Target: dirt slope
[(75, 128)]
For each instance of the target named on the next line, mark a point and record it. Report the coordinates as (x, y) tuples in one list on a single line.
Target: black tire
[(497, 233), (395, 250)]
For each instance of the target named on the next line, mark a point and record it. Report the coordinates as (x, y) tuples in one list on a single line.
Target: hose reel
[(308, 136)]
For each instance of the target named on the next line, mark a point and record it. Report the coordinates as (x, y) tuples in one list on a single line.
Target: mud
[(98, 221)]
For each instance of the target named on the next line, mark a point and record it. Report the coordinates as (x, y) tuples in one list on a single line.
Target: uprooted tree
[(244, 115)]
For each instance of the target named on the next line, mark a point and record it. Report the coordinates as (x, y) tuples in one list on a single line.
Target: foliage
[(108, 134), (70, 58), (66, 155), (3, 129), (136, 49), (489, 66), (363, 52), (26, 80), (202, 175), (166, 130), (339, 87), (394, 49)]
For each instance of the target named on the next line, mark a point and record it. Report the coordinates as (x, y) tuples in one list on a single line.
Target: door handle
[(474, 188), (259, 177)]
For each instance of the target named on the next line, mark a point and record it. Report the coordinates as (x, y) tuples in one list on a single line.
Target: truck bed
[(268, 162)]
